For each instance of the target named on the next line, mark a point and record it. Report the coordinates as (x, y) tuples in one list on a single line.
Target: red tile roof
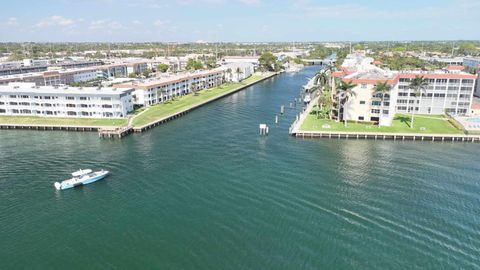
[(455, 67)]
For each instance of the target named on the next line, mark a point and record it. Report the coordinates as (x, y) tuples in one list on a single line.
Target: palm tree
[(229, 72), (381, 88), (238, 72), (345, 91), (419, 85)]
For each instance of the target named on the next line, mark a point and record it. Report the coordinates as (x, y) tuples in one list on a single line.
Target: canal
[(207, 192)]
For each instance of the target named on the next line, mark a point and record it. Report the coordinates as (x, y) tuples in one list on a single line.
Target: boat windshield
[(81, 172)]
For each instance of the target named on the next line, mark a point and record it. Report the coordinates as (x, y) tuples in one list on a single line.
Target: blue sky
[(238, 20)]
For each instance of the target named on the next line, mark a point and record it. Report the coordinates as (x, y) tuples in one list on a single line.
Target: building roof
[(371, 77), (162, 81), (452, 67), (28, 88)]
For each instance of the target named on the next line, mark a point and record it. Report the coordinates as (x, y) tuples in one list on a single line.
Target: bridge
[(319, 61)]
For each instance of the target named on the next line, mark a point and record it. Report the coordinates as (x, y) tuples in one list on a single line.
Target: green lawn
[(32, 120), (162, 110), (423, 124)]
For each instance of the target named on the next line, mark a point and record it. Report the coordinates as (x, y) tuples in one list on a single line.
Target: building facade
[(26, 99), (448, 91), (158, 90)]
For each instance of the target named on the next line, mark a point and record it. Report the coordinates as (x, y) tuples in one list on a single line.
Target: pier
[(114, 132)]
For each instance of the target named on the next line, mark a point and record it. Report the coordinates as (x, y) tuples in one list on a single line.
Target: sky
[(237, 20)]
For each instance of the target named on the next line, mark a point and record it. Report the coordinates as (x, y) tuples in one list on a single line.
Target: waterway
[(207, 192)]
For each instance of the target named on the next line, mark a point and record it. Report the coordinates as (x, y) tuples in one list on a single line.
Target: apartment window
[(364, 85), (71, 113), (376, 103), (46, 97), (71, 105), (454, 81), (13, 103), (375, 111), (83, 105), (361, 118), (69, 98), (362, 102), (83, 98), (13, 96), (106, 98), (24, 96), (106, 106), (442, 80), (467, 81)]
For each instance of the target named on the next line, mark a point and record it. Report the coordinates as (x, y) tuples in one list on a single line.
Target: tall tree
[(381, 88), (344, 93), (419, 85)]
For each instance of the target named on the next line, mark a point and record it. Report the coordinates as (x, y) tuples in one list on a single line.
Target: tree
[(238, 71), (345, 91), (229, 72), (268, 61), (418, 85), (193, 65), (162, 67), (325, 103), (147, 72), (133, 75), (381, 88)]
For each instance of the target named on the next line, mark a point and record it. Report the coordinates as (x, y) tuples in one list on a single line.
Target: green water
[(206, 192)]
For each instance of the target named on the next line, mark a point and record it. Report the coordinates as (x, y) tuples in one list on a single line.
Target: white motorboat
[(81, 177)]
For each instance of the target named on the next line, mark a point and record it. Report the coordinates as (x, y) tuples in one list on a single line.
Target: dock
[(114, 132)]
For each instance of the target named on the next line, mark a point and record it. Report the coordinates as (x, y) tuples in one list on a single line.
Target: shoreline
[(122, 130)]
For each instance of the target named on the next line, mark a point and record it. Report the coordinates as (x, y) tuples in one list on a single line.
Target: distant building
[(236, 59), (452, 61), (472, 62), (67, 76), (26, 99)]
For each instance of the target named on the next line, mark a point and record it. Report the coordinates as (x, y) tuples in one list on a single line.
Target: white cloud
[(12, 21), (160, 23), (106, 24), (250, 2), (55, 20), (136, 22)]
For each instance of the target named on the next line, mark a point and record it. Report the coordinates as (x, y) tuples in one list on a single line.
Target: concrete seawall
[(388, 136)]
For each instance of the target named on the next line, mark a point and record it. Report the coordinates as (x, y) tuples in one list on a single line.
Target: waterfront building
[(27, 99), (160, 89), (235, 72), (449, 91)]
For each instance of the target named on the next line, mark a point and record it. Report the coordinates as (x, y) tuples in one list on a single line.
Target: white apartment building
[(26, 99), (161, 89), (235, 72), (448, 91)]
